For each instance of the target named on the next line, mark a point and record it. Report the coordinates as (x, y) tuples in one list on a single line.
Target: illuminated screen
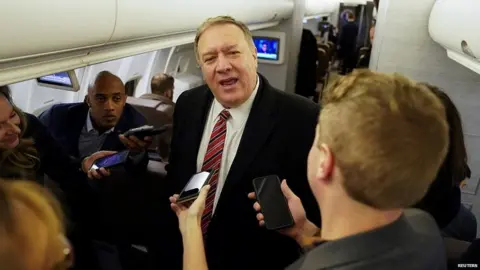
[(267, 48), (60, 79), (112, 160)]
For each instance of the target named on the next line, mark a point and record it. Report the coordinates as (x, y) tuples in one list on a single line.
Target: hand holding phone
[(274, 205), (302, 226), (192, 189), (110, 161), (146, 131)]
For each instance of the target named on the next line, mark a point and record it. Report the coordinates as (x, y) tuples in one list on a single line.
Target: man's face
[(229, 64), (107, 100), (264, 47)]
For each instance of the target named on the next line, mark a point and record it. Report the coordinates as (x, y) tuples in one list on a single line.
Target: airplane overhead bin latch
[(466, 49)]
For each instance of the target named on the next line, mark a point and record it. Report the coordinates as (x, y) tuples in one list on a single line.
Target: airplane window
[(130, 87)]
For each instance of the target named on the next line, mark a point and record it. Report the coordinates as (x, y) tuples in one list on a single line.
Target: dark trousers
[(348, 64)]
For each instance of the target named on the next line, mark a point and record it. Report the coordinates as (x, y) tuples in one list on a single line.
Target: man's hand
[(302, 225), (134, 144), (88, 162)]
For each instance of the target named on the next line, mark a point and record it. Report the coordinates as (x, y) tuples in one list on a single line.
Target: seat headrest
[(142, 102)]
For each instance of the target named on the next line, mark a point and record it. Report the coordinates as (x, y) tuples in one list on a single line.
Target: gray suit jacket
[(412, 242)]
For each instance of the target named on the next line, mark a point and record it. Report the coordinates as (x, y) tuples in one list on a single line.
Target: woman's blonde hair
[(31, 228), (22, 161)]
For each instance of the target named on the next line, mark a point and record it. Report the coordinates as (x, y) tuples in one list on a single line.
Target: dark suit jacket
[(412, 242), (306, 81), (348, 39), (277, 138), (66, 121)]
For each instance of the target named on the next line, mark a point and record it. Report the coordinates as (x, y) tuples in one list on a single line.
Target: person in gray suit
[(372, 157)]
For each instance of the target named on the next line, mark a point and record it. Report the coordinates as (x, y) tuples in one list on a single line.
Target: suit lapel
[(258, 128), (195, 124)]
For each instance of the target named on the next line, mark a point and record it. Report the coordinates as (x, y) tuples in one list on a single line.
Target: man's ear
[(327, 162)]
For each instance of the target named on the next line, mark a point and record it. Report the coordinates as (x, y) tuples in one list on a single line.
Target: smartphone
[(274, 205), (110, 161), (193, 187), (144, 131)]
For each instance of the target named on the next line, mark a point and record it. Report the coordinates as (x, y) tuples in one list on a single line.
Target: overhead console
[(453, 25), (64, 35), (315, 8)]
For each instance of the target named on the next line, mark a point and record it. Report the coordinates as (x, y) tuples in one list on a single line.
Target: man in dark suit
[(242, 126), (93, 125), (348, 44), (306, 81), (87, 127)]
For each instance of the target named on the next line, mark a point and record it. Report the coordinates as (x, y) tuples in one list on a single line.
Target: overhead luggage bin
[(315, 8), (453, 24), (354, 2), (50, 36)]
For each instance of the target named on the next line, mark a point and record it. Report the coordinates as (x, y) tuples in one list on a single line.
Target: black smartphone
[(144, 131), (274, 205), (110, 161), (193, 187)]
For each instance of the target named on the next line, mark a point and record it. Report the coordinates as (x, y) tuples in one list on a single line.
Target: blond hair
[(220, 20), (388, 135), (31, 224)]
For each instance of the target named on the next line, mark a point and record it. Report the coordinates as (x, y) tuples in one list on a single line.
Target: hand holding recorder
[(139, 139)]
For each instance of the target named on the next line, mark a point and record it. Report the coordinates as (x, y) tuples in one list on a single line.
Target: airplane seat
[(153, 111), (326, 48), (322, 71), (323, 64), (40, 110)]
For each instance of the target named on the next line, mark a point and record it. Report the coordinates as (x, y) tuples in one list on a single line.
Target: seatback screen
[(268, 48)]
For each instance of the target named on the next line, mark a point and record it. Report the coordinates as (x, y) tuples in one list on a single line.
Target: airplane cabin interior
[(52, 51)]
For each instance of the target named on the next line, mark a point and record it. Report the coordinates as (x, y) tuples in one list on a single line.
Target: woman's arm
[(193, 248)]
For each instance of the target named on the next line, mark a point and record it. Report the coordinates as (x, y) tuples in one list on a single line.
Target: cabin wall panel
[(402, 44)]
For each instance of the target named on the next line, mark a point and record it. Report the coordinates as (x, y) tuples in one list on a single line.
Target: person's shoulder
[(33, 125), (65, 106), (295, 103), (192, 95), (420, 219)]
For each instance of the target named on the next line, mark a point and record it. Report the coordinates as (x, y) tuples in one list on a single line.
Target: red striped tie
[(212, 160)]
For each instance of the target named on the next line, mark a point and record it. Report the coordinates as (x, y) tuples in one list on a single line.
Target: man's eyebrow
[(225, 48)]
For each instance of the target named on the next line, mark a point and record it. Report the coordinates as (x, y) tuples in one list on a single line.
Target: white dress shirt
[(235, 126)]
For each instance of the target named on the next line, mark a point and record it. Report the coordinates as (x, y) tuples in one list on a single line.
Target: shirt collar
[(239, 114), (89, 124)]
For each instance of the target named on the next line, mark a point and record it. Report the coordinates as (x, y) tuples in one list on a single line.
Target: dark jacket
[(411, 242), (348, 39), (306, 82), (66, 121), (235, 240), (443, 198)]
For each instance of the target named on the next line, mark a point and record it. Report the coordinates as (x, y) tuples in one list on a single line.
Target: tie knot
[(225, 114)]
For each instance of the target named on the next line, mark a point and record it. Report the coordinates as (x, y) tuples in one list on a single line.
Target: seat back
[(156, 115), (323, 64)]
